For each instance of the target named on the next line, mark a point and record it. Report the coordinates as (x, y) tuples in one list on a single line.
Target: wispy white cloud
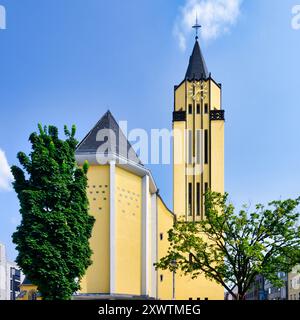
[(5, 174), (2, 17), (215, 16)]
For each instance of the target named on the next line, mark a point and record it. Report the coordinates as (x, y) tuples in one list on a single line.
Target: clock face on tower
[(198, 91)]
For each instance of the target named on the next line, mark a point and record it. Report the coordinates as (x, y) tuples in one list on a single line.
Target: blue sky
[(65, 62)]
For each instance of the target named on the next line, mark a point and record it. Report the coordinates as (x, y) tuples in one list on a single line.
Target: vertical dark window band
[(198, 147), (198, 108), (190, 109), (190, 147), (206, 108), (206, 146), (190, 198), (198, 199)]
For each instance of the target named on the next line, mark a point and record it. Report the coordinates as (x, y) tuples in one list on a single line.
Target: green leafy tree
[(232, 249), (53, 238)]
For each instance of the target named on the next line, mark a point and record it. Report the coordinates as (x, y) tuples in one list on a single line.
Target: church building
[(132, 220)]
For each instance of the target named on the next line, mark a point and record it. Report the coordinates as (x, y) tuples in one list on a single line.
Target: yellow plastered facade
[(128, 197), (97, 275), (129, 234)]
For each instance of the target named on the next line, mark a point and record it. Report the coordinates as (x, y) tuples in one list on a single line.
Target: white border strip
[(145, 236), (112, 224)]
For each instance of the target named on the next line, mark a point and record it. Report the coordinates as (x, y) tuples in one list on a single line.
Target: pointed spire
[(197, 69)]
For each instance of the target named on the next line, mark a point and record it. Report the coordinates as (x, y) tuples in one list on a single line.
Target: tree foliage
[(232, 249), (53, 238)]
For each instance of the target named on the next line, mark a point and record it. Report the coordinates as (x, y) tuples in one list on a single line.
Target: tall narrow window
[(198, 199), (190, 147), (190, 199), (205, 187), (205, 190), (206, 146), (199, 146), (190, 109), (206, 108), (198, 108)]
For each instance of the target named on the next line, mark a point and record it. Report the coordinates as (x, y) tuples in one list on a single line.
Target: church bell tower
[(198, 124)]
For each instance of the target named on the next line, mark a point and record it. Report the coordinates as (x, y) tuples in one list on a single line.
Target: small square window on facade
[(161, 236), (190, 109)]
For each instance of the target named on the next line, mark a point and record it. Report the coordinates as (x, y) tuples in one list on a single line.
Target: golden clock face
[(198, 91)]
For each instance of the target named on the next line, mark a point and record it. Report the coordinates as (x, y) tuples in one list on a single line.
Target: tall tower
[(198, 123)]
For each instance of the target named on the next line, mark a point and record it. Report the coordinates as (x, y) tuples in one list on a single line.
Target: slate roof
[(107, 130), (197, 69)]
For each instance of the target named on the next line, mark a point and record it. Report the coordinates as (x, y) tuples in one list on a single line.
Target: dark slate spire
[(118, 144), (197, 69)]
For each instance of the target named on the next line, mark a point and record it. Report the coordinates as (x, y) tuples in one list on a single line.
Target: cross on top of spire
[(197, 26)]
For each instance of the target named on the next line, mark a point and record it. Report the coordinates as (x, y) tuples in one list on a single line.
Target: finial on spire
[(197, 26)]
